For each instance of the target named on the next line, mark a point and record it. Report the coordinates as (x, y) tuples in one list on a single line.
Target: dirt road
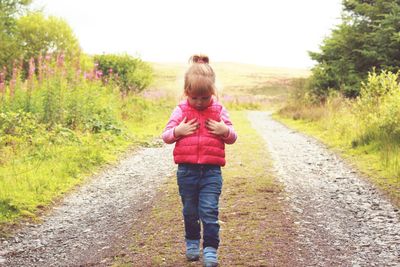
[(341, 219), (91, 222)]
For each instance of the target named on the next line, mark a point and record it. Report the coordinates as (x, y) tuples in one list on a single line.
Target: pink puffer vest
[(201, 147)]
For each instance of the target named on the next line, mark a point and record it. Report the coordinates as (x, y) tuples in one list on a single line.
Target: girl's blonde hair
[(200, 77)]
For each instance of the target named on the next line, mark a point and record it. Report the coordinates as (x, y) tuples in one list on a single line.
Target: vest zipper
[(198, 140)]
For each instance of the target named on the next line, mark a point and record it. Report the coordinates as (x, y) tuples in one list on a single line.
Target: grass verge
[(255, 229), (38, 174), (366, 158)]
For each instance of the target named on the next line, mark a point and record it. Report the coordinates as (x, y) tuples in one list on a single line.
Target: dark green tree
[(368, 38)]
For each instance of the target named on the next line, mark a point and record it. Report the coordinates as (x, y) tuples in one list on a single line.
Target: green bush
[(63, 97), (131, 74), (18, 129), (378, 106), (58, 125), (17, 123)]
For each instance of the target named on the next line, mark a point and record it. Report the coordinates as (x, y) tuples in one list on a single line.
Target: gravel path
[(342, 220), (85, 226)]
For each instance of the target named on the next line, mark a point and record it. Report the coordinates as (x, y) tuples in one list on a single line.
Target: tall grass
[(367, 127), (378, 109), (58, 123)]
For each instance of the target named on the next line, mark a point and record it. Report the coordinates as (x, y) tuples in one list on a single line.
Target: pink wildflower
[(88, 75), (32, 68), (47, 67), (2, 83), (60, 59), (40, 67), (99, 74), (13, 81), (31, 73), (48, 56)]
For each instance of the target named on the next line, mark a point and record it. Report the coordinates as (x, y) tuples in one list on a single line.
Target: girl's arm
[(231, 137), (168, 134)]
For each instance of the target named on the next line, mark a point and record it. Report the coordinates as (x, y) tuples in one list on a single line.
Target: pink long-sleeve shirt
[(176, 118)]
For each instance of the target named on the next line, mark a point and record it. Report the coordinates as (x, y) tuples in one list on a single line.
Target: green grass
[(255, 231), (33, 176), (364, 130), (339, 131)]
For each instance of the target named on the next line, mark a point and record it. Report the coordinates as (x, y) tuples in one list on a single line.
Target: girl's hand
[(186, 128), (217, 127)]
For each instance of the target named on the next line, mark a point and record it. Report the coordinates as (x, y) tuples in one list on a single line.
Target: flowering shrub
[(60, 93), (60, 120), (131, 74)]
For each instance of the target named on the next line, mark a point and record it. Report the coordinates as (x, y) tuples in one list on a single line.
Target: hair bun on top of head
[(201, 59)]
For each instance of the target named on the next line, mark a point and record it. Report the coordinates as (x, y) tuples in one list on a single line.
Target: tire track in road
[(342, 220)]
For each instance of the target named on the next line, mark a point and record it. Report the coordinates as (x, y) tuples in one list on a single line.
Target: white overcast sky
[(276, 33)]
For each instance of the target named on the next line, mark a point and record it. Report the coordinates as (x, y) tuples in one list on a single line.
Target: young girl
[(200, 126)]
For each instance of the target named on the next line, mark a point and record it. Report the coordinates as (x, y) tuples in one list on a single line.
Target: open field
[(235, 81)]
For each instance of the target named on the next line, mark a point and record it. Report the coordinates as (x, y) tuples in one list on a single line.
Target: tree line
[(26, 35), (368, 39)]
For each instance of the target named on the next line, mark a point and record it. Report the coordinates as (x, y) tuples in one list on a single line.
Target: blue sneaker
[(210, 257), (192, 250)]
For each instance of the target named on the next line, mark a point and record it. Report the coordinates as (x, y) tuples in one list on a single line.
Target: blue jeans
[(200, 187)]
